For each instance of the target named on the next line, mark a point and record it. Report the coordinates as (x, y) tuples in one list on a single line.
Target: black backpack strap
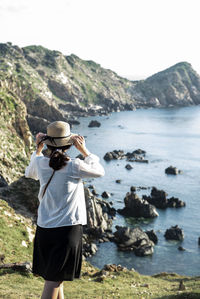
[(48, 183)]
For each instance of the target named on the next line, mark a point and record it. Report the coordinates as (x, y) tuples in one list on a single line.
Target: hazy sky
[(132, 37)]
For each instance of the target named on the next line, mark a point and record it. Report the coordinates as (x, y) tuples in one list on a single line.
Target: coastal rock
[(133, 239), (133, 189), (94, 123), (135, 156), (3, 182), (105, 194), (159, 199), (152, 236), (37, 124), (174, 233), (108, 156), (137, 207), (180, 248), (118, 181), (99, 214), (128, 166), (139, 152), (89, 247), (172, 170), (174, 202)]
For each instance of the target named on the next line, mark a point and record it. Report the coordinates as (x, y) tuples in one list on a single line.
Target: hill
[(176, 86)]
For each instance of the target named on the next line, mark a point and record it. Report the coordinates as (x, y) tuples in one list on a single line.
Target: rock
[(108, 156), (37, 124), (180, 248), (128, 166), (114, 268), (105, 194), (144, 250), (139, 152), (133, 239), (175, 203), (132, 157), (3, 182), (91, 187), (89, 248), (152, 236), (159, 199), (133, 189), (174, 233), (94, 123), (99, 213), (182, 286), (172, 170), (137, 207), (94, 248), (118, 181), (94, 192), (73, 122)]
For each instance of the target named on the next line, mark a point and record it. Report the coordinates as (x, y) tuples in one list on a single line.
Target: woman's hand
[(39, 145), (79, 143)]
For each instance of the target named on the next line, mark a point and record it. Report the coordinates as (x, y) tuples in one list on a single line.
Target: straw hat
[(58, 134)]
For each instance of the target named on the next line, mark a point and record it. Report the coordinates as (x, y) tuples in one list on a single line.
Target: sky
[(134, 38)]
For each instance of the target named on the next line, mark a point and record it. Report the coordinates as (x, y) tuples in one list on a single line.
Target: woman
[(57, 254)]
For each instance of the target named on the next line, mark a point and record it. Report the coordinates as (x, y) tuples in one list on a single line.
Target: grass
[(123, 285), (114, 285)]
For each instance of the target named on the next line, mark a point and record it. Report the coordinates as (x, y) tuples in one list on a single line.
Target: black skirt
[(57, 253)]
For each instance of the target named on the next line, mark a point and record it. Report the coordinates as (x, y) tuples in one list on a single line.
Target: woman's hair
[(58, 159)]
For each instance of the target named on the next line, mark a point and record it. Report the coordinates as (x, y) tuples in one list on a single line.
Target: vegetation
[(123, 284)]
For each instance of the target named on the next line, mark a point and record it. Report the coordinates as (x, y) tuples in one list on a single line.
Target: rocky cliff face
[(54, 86), (179, 85), (15, 136)]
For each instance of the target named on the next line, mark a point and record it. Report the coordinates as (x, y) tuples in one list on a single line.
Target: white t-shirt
[(63, 203)]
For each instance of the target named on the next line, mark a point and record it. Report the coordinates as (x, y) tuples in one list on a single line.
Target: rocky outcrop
[(133, 239), (159, 199), (152, 236), (37, 124), (172, 170), (174, 233), (137, 207), (15, 136), (99, 214), (135, 156), (94, 123)]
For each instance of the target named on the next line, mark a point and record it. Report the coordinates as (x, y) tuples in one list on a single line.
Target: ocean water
[(170, 137)]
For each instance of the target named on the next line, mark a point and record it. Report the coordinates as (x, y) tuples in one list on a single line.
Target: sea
[(169, 137)]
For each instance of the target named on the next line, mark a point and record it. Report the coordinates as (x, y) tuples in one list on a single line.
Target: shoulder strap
[(47, 184)]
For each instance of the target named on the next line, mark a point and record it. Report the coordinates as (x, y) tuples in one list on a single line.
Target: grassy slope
[(122, 285)]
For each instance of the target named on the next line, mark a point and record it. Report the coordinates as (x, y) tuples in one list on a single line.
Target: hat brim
[(61, 141)]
